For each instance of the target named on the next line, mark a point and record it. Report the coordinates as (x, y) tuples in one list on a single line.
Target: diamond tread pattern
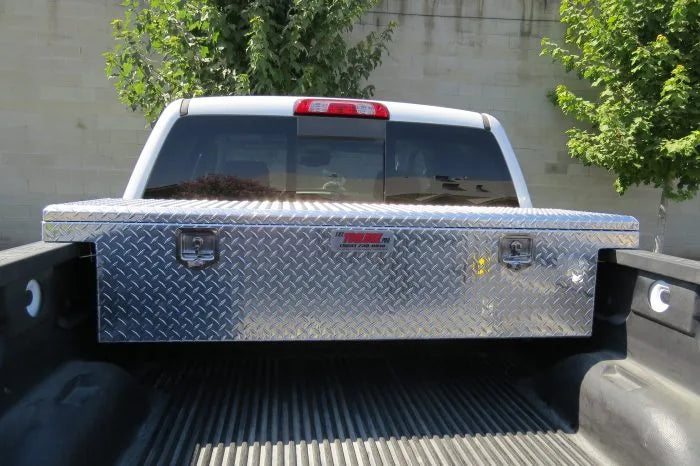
[(285, 283), (328, 213)]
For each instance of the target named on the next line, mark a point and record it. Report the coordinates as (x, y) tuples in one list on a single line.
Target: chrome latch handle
[(197, 248), (516, 251)]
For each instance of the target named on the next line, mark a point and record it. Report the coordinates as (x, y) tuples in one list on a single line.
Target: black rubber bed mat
[(342, 411)]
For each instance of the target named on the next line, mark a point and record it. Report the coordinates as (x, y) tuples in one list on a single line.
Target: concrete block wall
[(64, 136)]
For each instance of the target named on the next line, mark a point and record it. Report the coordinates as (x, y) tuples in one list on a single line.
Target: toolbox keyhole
[(197, 243), (515, 248)]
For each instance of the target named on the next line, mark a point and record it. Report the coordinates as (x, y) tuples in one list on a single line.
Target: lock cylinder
[(197, 248), (516, 251)]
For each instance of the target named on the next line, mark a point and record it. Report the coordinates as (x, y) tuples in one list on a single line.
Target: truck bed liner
[(346, 412)]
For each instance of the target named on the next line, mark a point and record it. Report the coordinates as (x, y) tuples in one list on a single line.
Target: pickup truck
[(335, 281)]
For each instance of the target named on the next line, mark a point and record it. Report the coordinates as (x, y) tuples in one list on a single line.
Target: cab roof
[(284, 106)]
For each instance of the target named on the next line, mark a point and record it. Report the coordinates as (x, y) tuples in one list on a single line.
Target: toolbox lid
[(206, 212)]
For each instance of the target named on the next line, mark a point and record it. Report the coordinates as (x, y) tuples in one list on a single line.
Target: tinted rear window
[(437, 164), (319, 158)]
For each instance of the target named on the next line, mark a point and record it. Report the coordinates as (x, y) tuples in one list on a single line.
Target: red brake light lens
[(340, 107)]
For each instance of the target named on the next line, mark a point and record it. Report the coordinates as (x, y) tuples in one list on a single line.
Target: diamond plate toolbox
[(261, 271)]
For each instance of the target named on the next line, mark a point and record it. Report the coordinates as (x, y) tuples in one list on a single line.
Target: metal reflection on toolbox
[(279, 278)]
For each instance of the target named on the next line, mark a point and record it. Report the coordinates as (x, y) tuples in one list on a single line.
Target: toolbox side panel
[(288, 283), (144, 294)]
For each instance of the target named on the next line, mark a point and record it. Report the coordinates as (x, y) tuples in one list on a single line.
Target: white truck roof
[(284, 106)]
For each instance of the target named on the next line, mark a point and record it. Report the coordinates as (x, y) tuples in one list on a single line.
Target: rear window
[(437, 164), (327, 158)]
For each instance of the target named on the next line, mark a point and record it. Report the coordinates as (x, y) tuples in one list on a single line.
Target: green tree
[(168, 49), (642, 57)]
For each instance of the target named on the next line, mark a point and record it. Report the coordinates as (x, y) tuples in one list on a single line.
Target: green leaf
[(642, 61), (167, 49)]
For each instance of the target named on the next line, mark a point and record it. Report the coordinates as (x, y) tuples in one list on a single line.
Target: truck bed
[(347, 411), (627, 395)]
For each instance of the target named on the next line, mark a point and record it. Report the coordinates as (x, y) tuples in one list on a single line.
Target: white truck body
[(284, 106)]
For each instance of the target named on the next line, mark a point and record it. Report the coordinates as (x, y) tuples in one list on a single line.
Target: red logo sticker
[(358, 240)]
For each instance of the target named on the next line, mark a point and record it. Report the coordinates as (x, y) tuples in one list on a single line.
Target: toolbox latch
[(197, 248), (516, 251)]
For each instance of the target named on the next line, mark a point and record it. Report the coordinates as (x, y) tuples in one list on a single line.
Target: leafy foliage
[(168, 49), (644, 58)]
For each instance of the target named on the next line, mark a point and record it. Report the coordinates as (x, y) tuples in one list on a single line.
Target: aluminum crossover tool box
[(234, 270)]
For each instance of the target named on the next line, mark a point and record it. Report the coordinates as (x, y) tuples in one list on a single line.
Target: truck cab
[(318, 149)]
